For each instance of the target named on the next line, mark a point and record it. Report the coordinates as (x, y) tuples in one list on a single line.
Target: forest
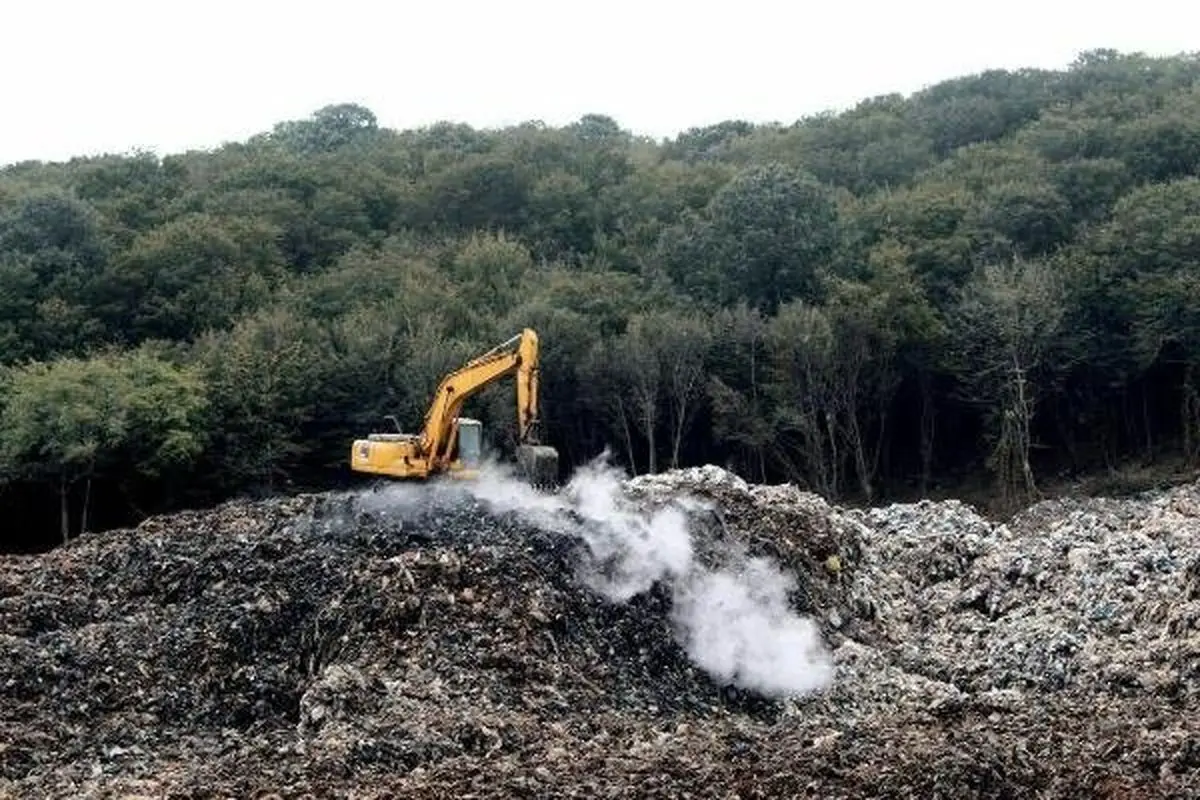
[(992, 282)]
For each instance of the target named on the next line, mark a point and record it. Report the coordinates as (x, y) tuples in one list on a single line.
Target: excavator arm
[(520, 355), (432, 451)]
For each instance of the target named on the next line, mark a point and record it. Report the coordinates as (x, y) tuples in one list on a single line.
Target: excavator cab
[(537, 464), (470, 443)]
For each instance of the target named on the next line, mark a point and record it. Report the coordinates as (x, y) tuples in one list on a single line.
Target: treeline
[(993, 277)]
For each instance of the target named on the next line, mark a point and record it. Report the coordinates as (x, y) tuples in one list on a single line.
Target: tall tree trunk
[(684, 410), (651, 444), (1146, 424), (1063, 414), (87, 499), (628, 434), (1131, 430), (1025, 420), (1190, 410), (756, 406), (865, 473), (1010, 458), (834, 456), (64, 515), (676, 438), (928, 430)]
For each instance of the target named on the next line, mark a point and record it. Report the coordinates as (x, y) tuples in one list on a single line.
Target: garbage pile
[(681, 633)]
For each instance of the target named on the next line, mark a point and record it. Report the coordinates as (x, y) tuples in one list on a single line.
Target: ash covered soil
[(684, 634)]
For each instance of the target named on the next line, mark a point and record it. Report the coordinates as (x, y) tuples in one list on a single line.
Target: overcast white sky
[(84, 76)]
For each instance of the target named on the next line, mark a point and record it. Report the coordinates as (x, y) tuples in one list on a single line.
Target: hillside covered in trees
[(993, 279)]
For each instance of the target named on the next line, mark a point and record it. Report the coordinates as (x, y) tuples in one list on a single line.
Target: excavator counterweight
[(452, 445)]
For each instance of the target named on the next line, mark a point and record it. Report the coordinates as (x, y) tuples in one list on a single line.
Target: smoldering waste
[(679, 634)]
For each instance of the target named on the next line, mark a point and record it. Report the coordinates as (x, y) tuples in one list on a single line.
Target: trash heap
[(682, 633)]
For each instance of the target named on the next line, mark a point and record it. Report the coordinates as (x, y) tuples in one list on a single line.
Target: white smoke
[(734, 621), (737, 626)]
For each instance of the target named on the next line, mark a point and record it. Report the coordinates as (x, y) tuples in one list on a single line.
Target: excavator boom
[(439, 447)]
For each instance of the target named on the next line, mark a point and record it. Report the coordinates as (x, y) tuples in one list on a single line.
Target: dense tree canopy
[(995, 278)]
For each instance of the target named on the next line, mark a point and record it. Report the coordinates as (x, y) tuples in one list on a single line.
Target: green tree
[(490, 270), (194, 274), (329, 128), (765, 236), (738, 388), (874, 324), (51, 250), (800, 341), (1137, 287), (833, 284), (263, 376), (683, 343), (1005, 328), (69, 420), (481, 192), (929, 222)]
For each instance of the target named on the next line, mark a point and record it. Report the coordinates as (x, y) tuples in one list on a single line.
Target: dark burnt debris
[(433, 644)]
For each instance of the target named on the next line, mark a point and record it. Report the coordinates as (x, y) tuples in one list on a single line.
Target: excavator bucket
[(538, 464)]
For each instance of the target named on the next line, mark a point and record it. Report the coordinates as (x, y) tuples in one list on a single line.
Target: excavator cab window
[(470, 442)]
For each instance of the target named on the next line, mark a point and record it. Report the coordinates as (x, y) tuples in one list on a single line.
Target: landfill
[(684, 634)]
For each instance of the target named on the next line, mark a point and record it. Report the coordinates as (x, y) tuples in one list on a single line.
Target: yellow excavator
[(451, 445)]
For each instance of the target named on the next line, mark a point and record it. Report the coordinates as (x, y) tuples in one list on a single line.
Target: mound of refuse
[(685, 633)]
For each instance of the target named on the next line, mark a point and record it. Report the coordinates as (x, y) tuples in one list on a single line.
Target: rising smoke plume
[(733, 620)]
